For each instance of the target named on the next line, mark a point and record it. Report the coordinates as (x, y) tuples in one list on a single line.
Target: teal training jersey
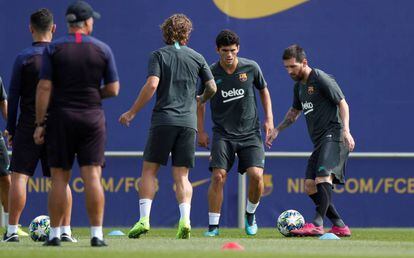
[(234, 108), (178, 69), (319, 99)]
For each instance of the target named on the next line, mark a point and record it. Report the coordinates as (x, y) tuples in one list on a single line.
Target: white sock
[(66, 230), (6, 218), (213, 218), (144, 207), (185, 209), (251, 207), (97, 232), (54, 232), (12, 229)]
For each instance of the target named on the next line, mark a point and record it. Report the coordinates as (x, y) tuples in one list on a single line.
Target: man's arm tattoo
[(291, 116), (209, 91)]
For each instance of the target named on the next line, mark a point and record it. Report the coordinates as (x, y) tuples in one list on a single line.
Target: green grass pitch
[(375, 242)]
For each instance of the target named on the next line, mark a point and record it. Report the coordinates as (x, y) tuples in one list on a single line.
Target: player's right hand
[(126, 118), (200, 100), (39, 135), (202, 139)]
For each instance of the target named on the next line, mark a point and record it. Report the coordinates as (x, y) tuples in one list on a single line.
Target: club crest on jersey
[(311, 90), (243, 77)]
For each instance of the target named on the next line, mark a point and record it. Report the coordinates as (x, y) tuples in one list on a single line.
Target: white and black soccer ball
[(39, 228), (288, 221)]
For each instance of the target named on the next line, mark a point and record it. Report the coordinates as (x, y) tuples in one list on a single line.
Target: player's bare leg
[(183, 193), (16, 201), (256, 186), (215, 200), (95, 201), (66, 232), (57, 203), (147, 189)]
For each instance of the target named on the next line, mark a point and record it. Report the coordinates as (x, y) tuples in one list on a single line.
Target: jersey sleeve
[(154, 66), (259, 80), (14, 96), (296, 101), (330, 88), (205, 73), (111, 73), (46, 72)]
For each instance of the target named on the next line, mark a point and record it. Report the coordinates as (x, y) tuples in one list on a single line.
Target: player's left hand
[(39, 135), (126, 118), (268, 127), (349, 140)]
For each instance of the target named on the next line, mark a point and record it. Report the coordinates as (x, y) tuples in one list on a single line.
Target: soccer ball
[(39, 228), (289, 220)]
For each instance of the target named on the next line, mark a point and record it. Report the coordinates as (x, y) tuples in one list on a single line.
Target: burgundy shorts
[(80, 132)]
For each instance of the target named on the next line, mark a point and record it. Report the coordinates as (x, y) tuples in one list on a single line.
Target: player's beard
[(297, 77)]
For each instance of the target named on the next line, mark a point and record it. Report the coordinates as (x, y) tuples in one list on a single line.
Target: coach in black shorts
[(74, 66), (172, 74), (322, 102), (236, 128), (26, 154)]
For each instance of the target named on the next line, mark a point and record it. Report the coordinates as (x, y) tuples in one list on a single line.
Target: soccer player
[(26, 153), (5, 180), (236, 128), (173, 72), (73, 67), (319, 97)]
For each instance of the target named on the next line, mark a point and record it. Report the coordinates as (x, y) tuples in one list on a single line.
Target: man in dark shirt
[(26, 153), (74, 66), (327, 116), (5, 180), (236, 128), (172, 73)]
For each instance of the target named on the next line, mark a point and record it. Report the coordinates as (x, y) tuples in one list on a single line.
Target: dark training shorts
[(4, 158), (249, 150), (166, 139), (329, 158), (80, 132), (26, 154)]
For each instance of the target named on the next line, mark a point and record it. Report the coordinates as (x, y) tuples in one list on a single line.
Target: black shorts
[(4, 158), (249, 150), (26, 154), (80, 132), (328, 159), (166, 139)]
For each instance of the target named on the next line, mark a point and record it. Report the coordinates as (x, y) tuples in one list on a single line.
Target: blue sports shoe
[(250, 228), (212, 233)]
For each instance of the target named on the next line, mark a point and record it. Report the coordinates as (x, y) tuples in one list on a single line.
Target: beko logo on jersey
[(307, 107), (232, 94)]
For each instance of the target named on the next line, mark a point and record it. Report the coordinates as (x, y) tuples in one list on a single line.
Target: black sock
[(332, 214), (250, 218), (323, 200), (212, 227)]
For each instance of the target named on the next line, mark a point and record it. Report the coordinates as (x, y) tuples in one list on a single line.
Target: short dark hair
[(227, 38), (176, 28), (294, 51), (42, 20)]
